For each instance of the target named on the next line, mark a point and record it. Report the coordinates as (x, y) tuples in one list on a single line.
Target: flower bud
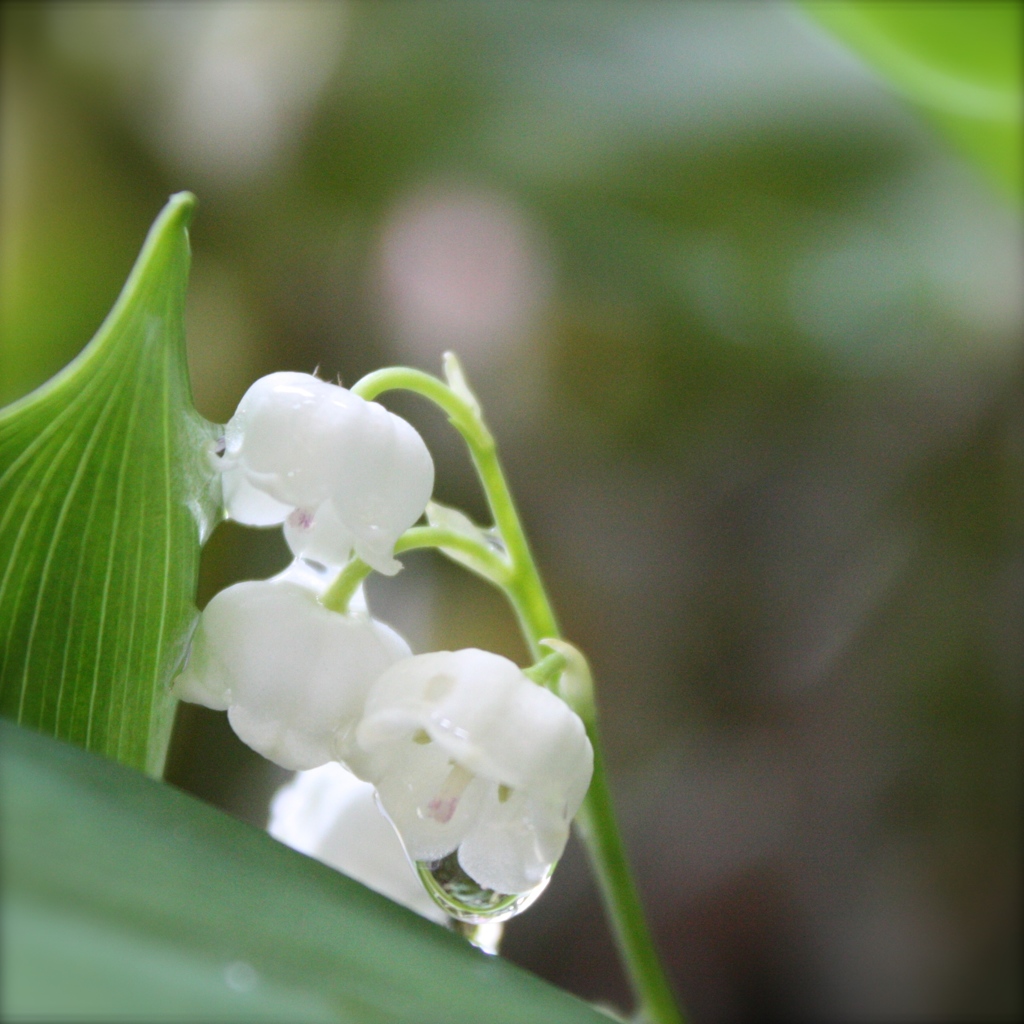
[(469, 755), (291, 674), (341, 472)]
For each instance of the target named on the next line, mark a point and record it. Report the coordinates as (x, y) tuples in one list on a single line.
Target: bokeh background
[(748, 329)]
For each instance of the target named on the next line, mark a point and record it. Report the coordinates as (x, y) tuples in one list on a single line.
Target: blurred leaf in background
[(960, 62), (751, 335)]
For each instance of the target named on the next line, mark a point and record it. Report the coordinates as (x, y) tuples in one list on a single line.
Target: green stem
[(489, 563), (597, 827), (523, 585), (345, 584), (547, 671), (596, 821)]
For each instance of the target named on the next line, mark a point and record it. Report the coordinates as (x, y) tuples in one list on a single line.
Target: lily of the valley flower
[(291, 674), (329, 814), (341, 473), (468, 754)]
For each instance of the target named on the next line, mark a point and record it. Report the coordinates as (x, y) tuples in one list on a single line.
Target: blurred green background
[(747, 324)]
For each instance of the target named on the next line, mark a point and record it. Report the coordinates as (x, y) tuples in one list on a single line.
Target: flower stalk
[(489, 563), (515, 572)]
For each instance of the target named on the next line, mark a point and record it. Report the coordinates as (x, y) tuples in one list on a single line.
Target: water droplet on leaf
[(241, 977)]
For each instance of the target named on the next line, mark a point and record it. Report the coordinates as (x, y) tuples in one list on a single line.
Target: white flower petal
[(285, 434), (428, 802), (386, 479), (327, 813), (204, 679), (297, 442), (318, 535), (453, 696), (514, 843), (247, 504), (485, 713), (539, 742), (292, 673), (470, 724)]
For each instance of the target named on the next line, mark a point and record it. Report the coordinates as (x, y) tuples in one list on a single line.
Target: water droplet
[(486, 935), (240, 976), (461, 897), (495, 541)]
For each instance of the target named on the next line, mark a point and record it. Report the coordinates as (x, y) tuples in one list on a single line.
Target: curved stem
[(523, 585), (346, 583), (596, 823), (489, 563), (462, 414)]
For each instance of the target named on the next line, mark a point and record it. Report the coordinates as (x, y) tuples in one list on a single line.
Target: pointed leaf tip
[(104, 496), (182, 205)]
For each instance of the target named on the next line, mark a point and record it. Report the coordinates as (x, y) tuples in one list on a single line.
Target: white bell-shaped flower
[(329, 814), (278, 447), (340, 472), (291, 674), (469, 755)]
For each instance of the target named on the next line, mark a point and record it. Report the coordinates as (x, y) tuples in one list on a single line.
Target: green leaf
[(960, 61), (453, 519), (126, 899), (104, 500)]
